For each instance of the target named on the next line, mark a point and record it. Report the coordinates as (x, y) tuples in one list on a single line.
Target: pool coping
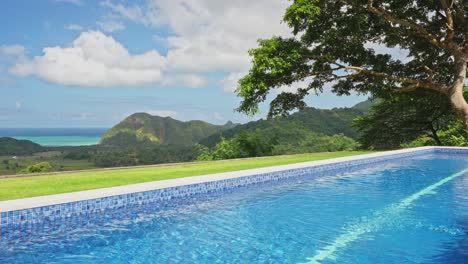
[(55, 199)]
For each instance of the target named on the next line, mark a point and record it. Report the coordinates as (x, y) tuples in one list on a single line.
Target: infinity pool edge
[(14, 214)]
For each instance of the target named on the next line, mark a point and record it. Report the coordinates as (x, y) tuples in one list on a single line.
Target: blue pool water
[(412, 210)]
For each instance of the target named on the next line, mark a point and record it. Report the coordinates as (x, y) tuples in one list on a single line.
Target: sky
[(80, 63)]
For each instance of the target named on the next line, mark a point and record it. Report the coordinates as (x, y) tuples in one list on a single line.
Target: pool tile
[(66, 214)]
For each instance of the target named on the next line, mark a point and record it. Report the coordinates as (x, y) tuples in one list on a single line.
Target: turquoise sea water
[(56, 136), (62, 140)]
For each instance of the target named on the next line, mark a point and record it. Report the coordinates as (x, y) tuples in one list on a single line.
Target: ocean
[(56, 136)]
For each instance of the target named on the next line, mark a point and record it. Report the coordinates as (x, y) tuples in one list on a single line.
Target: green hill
[(144, 129), (11, 146), (365, 105), (319, 121)]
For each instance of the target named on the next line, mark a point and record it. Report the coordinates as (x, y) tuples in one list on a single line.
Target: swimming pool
[(409, 209)]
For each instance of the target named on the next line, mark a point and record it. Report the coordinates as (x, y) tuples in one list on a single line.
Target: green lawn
[(53, 157), (15, 188)]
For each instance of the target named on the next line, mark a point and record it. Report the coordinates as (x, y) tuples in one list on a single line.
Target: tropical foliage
[(39, 168), (335, 43), (319, 121), (453, 135), (275, 141), (405, 117)]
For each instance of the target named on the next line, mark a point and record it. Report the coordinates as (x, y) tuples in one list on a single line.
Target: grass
[(76, 164), (53, 157), (15, 188)]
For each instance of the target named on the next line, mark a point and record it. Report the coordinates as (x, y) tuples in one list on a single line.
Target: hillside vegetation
[(306, 131), (11, 146), (143, 128), (143, 139), (316, 121)]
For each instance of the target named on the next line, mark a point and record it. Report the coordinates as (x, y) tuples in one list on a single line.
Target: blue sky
[(78, 63)]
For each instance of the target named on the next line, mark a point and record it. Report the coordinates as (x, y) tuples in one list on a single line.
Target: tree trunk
[(459, 104), (434, 135), (455, 94)]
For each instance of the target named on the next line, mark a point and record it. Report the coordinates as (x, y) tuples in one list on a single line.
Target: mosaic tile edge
[(25, 218)]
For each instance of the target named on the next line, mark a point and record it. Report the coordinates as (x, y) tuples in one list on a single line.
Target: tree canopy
[(334, 43), (404, 118)]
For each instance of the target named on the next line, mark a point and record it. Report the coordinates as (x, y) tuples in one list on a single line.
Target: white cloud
[(94, 59), (230, 83), (74, 2), (294, 86), (215, 35), (209, 35), (110, 25), (86, 116), (9, 56), (162, 113), (74, 27), (217, 116), (186, 80), (18, 105), (206, 37), (12, 51), (135, 12), (160, 40)]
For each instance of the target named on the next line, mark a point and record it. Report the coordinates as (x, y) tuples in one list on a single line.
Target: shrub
[(38, 168)]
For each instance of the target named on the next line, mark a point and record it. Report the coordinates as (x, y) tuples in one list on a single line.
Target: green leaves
[(340, 43), (276, 62), (405, 117), (301, 13), (293, 139), (286, 102)]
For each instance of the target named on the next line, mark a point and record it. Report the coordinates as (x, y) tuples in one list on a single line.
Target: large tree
[(404, 118), (334, 42)]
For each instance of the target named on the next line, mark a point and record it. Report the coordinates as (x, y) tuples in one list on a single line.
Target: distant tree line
[(275, 141)]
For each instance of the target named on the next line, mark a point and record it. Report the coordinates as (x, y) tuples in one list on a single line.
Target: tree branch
[(450, 25), (460, 14), (419, 30), (337, 77), (430, 72), (408, 88), (413, 84), (449, 46)]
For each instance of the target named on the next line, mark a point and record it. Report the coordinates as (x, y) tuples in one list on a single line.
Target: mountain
[(11, 146), (320, 121), (143, 128), (365, 105)]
